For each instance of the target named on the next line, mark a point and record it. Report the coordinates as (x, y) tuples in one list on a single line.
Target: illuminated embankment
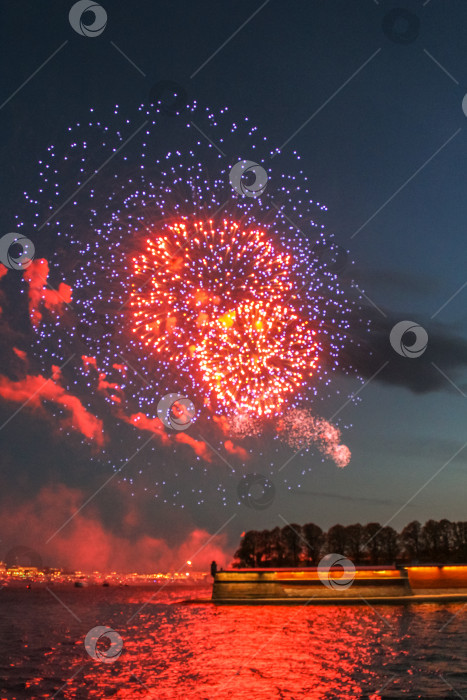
[(438, 579), (391, 584)]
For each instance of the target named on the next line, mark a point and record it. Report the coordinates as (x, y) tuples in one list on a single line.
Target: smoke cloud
[(85, 543), (40, 296), (33, 390)]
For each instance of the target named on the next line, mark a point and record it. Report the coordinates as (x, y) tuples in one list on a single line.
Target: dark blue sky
[(400, 113)]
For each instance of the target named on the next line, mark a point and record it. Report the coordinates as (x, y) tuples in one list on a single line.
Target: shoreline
[(312, 586), (334, 600)]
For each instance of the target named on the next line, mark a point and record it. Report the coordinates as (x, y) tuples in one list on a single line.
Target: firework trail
[(179, 284)]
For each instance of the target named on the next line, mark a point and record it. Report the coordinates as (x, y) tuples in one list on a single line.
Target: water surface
[(202, 651)]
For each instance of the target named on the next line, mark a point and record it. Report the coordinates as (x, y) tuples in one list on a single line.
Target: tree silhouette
[(372, 542), (354, 542), (389, 540), (314, 540), (277, 550), (446, 544), (459, 540), (246, 553), (291, 537), (336, 539), (411, 541), (436, 542)]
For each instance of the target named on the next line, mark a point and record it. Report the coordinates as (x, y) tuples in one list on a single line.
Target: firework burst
[(190, 276), (180, 284)]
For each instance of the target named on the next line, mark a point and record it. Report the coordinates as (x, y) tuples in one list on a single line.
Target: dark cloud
[(446, 353)]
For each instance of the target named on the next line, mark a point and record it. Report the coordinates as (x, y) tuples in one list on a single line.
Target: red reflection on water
[(202, 652)]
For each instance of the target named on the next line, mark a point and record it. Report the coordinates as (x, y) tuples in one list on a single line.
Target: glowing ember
[(300, 429), (213, 295), (197, 274), (256, 355)]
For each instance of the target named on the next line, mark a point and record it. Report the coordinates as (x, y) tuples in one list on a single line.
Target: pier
[(396, 584)]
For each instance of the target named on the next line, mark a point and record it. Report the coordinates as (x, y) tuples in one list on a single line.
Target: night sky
[(370, 95)]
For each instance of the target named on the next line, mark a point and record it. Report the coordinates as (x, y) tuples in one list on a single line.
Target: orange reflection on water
[(202, 651)]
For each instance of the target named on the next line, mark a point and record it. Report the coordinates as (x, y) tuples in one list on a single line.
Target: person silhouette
[(213, 569)]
